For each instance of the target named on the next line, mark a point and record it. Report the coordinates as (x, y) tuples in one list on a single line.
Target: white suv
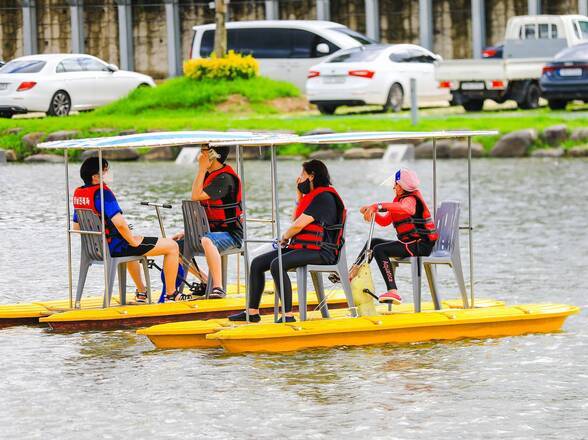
[(285, 49)]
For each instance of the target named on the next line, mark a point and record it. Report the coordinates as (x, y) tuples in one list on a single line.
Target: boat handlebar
[(157, 205)]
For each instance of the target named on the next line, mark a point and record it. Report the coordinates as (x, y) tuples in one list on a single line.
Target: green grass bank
[(184, 104)]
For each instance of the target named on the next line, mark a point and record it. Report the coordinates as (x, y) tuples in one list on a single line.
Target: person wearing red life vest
[(315, 237), (121, 240), (415, 229), (218, 188)]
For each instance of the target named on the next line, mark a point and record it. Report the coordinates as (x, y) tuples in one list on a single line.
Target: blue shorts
[(224, 241)]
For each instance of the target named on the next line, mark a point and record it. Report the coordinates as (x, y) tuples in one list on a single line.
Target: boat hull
[(397, 329), (192, 334)]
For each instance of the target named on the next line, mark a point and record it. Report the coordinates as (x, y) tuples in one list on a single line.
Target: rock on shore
[(44, 158), (514, 144)]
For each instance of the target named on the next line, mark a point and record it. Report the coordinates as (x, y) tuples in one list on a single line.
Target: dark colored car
[(495, 51), (565, 78)]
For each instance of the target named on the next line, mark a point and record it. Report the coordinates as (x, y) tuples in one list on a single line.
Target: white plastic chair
[(316, 272), (446, 251), (92, 254)]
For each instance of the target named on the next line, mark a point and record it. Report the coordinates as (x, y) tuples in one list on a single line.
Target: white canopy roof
[(245, 138), (156, 139)]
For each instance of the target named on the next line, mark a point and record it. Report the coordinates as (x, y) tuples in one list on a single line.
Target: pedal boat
[(195, 334)]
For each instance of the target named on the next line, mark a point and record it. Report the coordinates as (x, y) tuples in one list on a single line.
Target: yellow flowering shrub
[(231, 66)]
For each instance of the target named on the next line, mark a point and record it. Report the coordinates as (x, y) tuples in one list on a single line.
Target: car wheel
[(60, 104), (531, 99), (473, 105), (326, 109), (557, 104), (6, 115), (395, 99)]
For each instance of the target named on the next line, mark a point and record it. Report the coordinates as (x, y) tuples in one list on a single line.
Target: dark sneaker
[(217, 293), (242, 316), (288, 319), (390, 297)]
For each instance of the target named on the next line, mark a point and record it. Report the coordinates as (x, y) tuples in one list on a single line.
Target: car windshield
[(355, 35), (573, 53), (361, 53), (23, 66)]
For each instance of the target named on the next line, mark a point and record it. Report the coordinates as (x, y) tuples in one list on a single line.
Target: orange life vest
[(313, 235), (419, 226), (223, 214)]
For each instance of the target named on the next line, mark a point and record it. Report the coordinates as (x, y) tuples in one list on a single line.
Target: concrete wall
[(53, 26), (101, 30), (10, 31), (497, 14), (398, 21)]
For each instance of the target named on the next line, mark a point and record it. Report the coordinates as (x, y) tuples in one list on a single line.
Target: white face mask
[(107, 177)]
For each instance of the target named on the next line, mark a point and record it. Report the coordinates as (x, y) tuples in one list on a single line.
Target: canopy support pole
[(470, 227), (435, 178), (68, 226), (276, 209), (241, 170), (106, 302)]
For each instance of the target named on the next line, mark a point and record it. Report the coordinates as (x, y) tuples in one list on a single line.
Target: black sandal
[(140, 297), (177, 296), (217, 293)]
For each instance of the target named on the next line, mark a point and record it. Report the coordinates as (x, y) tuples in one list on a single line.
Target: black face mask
[(304, 187)]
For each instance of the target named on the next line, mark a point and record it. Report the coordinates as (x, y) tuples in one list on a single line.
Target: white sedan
[(59, 83), (375, 74)]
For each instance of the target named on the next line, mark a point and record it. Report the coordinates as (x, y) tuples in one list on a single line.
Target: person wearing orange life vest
[(414, 226), (315, 237), (218, 188), (121, 240)]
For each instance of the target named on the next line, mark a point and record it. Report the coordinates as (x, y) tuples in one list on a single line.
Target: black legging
[(291, 258), (384, 249)]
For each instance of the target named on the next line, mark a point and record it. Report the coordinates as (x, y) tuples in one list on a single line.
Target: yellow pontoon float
[(406, 324)]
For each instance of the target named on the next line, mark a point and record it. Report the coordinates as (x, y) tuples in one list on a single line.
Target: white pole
[(106, 301), (68, 227)]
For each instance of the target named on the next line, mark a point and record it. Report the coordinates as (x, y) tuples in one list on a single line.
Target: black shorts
[(146, 245)]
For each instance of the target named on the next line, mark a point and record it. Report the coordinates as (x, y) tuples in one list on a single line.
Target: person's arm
[(390, 211), (299, 224), (123, 228), (198, 183)]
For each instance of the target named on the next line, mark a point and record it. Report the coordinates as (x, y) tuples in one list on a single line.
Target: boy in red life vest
[(315, 237), (218, 188), (121, 240), (414, 226)]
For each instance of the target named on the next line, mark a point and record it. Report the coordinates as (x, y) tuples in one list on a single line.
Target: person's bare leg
[(171, 257), (134, 270), (213, 259)]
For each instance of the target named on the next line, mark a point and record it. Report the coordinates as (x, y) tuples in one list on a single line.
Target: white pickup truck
[(530, 41)]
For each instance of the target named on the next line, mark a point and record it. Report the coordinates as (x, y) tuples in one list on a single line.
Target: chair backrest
[(447, 224), (195, 224), (91, 244)]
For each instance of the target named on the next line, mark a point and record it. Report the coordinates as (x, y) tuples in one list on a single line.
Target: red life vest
[(223, 214), (420, 226), (84, 198), (313, 235)]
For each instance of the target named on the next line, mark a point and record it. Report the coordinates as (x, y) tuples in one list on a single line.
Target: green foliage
[(192, 96)]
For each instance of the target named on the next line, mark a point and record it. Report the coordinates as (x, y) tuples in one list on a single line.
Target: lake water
[(530, 246)]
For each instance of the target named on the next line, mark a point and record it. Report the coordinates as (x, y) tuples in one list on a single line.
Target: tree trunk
[(220, 34)]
